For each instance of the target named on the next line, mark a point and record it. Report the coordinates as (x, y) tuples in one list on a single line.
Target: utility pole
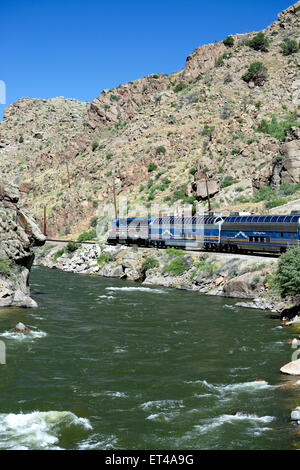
[(45, 222)]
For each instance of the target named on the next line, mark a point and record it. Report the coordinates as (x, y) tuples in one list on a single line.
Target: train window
[(256, 239), (262, 239), (281, 234), (250, 239), (268, 239)]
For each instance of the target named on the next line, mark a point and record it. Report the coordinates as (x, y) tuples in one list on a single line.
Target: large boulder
[(292, 368)]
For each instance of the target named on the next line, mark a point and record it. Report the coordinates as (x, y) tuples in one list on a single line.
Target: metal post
[(45, 221)]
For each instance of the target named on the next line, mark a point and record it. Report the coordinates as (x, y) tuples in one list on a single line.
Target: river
[(110, 364)]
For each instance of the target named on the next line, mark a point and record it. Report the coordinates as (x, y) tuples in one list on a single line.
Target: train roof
[(263, 218), (206, 219)]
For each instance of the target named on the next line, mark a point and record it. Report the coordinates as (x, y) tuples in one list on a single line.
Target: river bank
[(222, 274)]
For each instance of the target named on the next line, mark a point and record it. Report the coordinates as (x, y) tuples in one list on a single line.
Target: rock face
[(18, 235), (290, 150)]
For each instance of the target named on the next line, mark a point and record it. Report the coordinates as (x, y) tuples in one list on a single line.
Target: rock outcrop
[(18, 235)]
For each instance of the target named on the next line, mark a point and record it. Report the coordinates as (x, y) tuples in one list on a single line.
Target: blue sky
[(76, 48)]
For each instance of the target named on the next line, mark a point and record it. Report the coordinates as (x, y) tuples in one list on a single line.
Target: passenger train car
[(236, 233)]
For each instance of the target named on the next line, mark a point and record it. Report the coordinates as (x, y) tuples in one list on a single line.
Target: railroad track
[(225, 254)]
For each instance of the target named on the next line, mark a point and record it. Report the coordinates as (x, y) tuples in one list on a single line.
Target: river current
[(111, 364)]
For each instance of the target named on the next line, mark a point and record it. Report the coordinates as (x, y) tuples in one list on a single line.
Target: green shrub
[(58, 254), (228, 181), (160, 150), (229, 41), (287, 276), (257, 73), (278, 129), (85, 236), (174, 252), (21, 139), (5, 267), (149, 263), (289, 46), (71, 247), (102, 259), (176, 267), (152, 167), (181, 86), (259, 42)]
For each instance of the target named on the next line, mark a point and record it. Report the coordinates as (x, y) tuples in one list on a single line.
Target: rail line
[(256, 254)]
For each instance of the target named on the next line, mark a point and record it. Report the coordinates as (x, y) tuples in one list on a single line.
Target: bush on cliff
[(287, 277), (229, 41), (289, 46), (278, 129), (259, 42), (149, 263), (257, 73), (176, 267), (5, 267)]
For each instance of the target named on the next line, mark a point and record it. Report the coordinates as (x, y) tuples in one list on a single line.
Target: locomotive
[(210, 231)]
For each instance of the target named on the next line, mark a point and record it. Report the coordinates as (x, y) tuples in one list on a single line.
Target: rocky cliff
[(154, 136), (18, 235)]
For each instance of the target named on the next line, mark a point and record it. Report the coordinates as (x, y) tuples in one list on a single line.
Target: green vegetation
[(181, 86), (278, 129), (275, 197), (257, 73), (174, 252), (289, 46), (207, 266), (220, 60), (102, 259), (85, 236), (94, 145), (58, 254), (176, 267), (71, 247), (5, 267), (152, 167), (160, 150), (229, 41), (259, 42), (287, 277), (21, 139), (228, 181), (149, 263)]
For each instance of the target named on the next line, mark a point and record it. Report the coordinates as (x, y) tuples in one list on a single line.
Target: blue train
[(236, 233)]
